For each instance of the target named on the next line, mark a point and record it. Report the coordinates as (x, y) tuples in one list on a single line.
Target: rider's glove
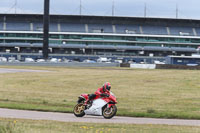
[(107, 95), (104, 95)]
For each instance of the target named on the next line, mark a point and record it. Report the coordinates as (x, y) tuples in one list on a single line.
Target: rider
[(104, 91)]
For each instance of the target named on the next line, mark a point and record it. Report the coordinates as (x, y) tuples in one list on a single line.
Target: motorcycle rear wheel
[(79, 110), (108, 113)]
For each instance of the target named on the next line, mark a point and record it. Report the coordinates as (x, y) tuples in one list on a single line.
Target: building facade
[(99, 36)]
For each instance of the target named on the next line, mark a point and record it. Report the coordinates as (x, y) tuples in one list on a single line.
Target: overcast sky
[(189, 9)]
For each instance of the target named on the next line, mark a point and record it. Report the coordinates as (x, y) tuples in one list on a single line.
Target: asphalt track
[(5, 70), (67, 117)]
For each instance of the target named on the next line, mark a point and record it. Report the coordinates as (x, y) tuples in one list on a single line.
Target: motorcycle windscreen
[(96, 108)]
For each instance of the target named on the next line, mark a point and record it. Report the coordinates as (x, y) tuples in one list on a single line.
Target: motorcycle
[(99, 106)]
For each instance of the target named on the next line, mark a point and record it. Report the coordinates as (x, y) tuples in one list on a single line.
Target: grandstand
[(134, 37)]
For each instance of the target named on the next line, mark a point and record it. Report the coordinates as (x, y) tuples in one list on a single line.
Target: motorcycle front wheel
[(108, 113), (79, 110)]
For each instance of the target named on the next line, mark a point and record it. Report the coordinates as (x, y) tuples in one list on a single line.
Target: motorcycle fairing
[(96, 108)]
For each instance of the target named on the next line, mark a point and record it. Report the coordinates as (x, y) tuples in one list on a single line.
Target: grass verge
[(140, 93), (33, 126)]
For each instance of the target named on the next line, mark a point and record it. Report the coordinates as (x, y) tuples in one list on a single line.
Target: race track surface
[(5, 70), (66, 117)]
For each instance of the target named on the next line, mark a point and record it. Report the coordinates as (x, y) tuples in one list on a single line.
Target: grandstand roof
[(104, 19)]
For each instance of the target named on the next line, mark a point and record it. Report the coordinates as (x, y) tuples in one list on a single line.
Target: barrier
[(169, 66), (143, 66)]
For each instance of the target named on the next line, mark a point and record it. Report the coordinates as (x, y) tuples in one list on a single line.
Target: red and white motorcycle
[(99, 106)]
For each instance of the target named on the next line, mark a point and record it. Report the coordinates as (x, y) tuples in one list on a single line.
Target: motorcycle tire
[(79, 110), (108, 113)]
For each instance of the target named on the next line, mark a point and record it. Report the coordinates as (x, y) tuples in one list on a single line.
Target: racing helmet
[(106, 86)]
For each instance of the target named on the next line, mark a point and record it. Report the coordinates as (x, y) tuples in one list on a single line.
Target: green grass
[(33, 126), (140, 93)]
